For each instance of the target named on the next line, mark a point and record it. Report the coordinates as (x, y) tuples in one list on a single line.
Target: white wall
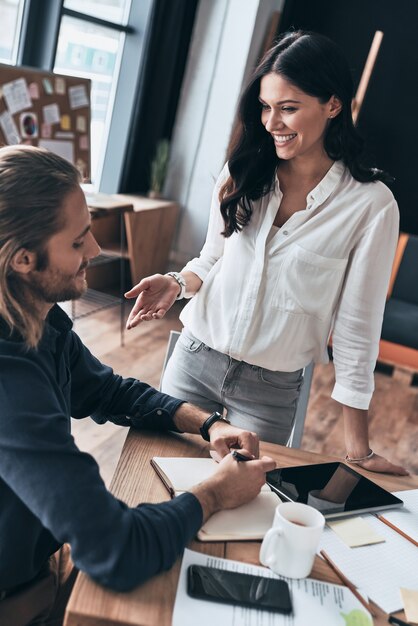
[(225, 46)]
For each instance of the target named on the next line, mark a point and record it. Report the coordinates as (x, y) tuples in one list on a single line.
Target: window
[(92, 48), (98, 39), (10, 26)]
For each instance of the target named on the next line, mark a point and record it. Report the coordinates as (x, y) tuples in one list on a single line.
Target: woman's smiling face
[(296, 121)]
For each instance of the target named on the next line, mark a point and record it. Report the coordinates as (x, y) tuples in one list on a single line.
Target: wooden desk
[(135, 481), (145, 238)]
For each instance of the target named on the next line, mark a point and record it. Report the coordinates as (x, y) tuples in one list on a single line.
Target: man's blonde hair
[(33, 185)]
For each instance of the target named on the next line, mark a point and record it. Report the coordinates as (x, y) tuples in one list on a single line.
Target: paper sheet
[(380, 569), (17, 96), (78, 97), (51, 113), (314, 603), (407, 518), (355, 532), (410, 604), (34, 91), (9, 128), (65, 149)]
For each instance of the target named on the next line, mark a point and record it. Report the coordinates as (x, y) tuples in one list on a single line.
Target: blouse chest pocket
[(308, 283)]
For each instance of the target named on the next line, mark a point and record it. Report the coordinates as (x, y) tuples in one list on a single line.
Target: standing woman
[(300, 245)]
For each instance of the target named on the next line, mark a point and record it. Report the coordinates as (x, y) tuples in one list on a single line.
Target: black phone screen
[(209, 583)]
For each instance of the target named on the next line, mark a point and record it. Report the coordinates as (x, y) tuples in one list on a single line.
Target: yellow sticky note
[(355, 532), (65, 122), (410, 604)]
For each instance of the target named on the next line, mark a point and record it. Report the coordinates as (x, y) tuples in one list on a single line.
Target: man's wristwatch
[(215, 417), (181, 283)]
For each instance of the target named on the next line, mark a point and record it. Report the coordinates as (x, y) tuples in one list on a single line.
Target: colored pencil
[(347, 582), (396, 529)]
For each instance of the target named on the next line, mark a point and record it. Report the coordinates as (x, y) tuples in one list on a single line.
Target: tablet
[(333, 488)]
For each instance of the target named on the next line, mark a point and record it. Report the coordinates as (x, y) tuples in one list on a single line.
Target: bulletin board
[(49, 110)]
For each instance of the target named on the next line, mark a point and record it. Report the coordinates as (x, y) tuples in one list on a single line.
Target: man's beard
[(53, 286)]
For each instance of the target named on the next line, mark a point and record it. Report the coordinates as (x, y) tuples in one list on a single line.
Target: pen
[(397, 621), (240, 457), (347, 582)]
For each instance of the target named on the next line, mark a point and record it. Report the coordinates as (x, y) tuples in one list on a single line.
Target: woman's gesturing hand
[(154, 296)]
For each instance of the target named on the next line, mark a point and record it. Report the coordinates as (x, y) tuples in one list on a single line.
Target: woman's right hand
[(154, 295)]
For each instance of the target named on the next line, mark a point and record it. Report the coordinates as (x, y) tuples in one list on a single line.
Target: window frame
[(41, 23)]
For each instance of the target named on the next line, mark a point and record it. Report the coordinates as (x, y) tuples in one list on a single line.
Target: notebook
[(247, 522)]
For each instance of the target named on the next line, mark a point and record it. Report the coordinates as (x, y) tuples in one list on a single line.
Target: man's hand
[(224, 437), (156, 294), (233, 484)]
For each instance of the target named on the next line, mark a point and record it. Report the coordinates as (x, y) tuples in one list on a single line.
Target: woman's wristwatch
[(181, 283), (215, 417)]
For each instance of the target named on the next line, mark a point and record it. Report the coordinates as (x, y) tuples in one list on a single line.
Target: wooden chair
[(399, 339), (297, 432)]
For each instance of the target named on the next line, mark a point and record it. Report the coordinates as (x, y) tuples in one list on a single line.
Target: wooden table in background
[(151, 604), (144, 239)]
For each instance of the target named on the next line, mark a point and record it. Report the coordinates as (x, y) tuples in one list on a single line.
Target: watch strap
[(215, 417), (181, 283)]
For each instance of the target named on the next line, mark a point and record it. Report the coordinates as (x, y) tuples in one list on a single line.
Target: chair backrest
[(297, 433), (295, 438), (405, 286), (172, 340)]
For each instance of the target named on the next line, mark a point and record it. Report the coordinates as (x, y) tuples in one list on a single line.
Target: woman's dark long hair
[(315, 65)]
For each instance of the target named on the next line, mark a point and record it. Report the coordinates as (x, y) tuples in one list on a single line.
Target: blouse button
[(159, 412), (285, 232)]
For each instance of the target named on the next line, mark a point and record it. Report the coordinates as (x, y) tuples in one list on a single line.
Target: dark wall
[(167, 47), (389, 116)]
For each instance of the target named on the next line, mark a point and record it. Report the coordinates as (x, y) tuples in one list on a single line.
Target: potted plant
[(159, 168)]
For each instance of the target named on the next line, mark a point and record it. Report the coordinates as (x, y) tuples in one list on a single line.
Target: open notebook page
[(248, 522)]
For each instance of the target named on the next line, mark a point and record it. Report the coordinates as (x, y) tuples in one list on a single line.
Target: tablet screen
[(332, 488)]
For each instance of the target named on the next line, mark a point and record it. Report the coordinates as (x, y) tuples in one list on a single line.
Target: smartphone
[(219, 585)]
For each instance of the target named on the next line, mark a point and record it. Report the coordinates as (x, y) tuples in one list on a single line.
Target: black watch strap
[(215, 417)]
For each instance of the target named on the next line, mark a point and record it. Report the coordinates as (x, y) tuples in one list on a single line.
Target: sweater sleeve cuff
[(192, 512), (355, 399), (159, 418)]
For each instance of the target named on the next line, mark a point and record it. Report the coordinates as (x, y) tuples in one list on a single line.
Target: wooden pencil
[(396, 529), (347, 582)]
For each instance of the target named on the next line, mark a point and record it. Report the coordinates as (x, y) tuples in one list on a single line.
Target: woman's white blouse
[(274, 300)]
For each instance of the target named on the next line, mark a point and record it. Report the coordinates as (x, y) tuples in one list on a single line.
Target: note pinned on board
[(17, 96), (410, 604), (81, 124), (9, 128), (78, 97), (60, 85), (355, 532), (65, 122), (34, 91), (51, 114)]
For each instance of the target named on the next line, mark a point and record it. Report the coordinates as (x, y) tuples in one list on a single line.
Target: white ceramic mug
[(289, 547)]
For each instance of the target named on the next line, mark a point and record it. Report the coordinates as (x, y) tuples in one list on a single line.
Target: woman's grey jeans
[(254, 398)]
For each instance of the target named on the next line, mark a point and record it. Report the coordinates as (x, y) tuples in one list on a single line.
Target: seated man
[(51, 493)]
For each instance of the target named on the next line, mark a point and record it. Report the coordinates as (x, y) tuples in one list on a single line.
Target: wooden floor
[(393, 413)]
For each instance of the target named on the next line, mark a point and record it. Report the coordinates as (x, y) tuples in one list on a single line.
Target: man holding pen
[(52, 493)]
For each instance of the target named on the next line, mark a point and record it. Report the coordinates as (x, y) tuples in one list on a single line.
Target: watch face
[(204, 429)]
